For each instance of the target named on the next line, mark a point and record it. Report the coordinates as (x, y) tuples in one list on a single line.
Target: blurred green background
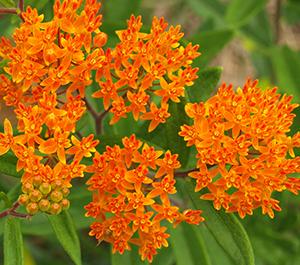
[(238, 39)]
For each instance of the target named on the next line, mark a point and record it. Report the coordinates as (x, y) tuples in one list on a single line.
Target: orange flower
[(123, 199), (6, 138), (83, 148), (242, 148), (144, 65)]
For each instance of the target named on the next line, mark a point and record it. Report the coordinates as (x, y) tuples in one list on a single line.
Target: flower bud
[(23, 199), (27, 187), (35, 195), (44, 205), (56, 184), (32, 208), (55, 209), (65, 204), (37, 180), (45, 188), (56, 196), (65, 192)]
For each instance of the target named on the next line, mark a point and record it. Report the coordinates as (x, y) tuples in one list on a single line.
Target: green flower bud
[(55, 209), (65, 204), (56, 196), (32, 208), (23, 199), (37, 180), (44, 205), (35, 195), (27, 187), (65, 192), (45, 188)]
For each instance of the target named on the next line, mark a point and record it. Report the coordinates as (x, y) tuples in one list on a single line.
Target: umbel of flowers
[(241, 136), (243, 150), (131, 197)]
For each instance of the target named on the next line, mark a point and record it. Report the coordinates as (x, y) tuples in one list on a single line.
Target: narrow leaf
[(211, 43), (175, 143), (8, 164), (13, 242), (180, 246), (7, 3), (188, 245), (65, 231), (206, 85), (207, 8), (239, 12), (225, 228), (286, 64)]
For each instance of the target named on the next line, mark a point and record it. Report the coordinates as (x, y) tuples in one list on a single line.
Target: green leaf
[(121, 9), (225, 228), (175, 143), (4, 197), (259, 30), (239, 12), (206, 84), (207, 8), (286, 64), (188, 246), (118, 259), (8, 164), (13, 242), (211, 43), (7, 3), (65, 231)]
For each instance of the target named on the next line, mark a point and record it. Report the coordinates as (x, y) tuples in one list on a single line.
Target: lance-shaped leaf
[(206, 84), (188, 245), (239, 12), (225, 228), (211, 43), (65, 231), (8, 164), (13, 242)]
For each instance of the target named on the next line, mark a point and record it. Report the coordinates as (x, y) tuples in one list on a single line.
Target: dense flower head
[(243, 149), (132, 188), (46, 149), (144, 66), (52, 57)]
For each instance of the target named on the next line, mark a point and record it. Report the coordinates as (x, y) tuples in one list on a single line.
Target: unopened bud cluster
[(44, 197)]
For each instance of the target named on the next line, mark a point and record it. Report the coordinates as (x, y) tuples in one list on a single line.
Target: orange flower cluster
[(49, 66), (131, 197), (53, 57), (47, 151), (243, 150), (145, 64)]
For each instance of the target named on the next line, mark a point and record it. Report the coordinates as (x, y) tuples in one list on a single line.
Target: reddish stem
[(21, 5), (12, 211), (8, 11)]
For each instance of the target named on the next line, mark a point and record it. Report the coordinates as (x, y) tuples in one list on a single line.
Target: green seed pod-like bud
[(65, 192), (56, 196), (56, 184), (23, 199), (44, 205), (65, 204), (35, 195), (55, 208), (37, 180), (32, 208), (27, 187), (45, 188)]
